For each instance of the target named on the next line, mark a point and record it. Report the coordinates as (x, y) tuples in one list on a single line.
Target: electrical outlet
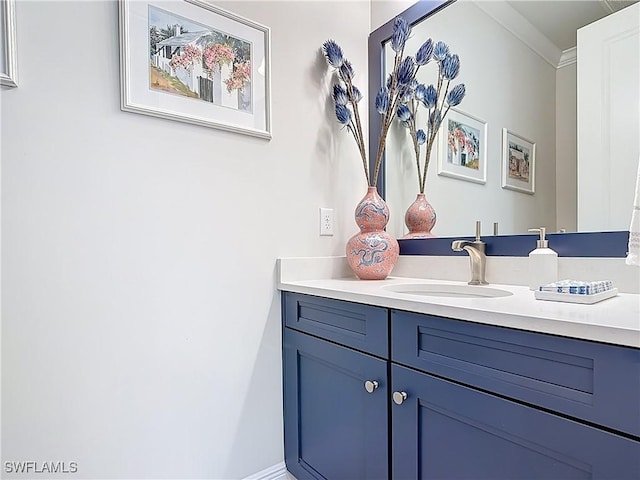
[(326, 221)]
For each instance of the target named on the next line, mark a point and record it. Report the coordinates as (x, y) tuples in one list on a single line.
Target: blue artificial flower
[(421, 92), (450, 67), (389, 81), (357, 96), (421, 137), (423, 55), (430, 97), (440, 51), (406, 71), (382, 101), (401, 32), (333, 53), (346, 70), (456, 94), (343, 114), (340, 96), (403, 113)]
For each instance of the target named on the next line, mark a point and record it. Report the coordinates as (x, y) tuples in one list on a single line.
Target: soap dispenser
[(543, 262)]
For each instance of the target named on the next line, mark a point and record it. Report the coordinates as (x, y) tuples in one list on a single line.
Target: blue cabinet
[(469, 400), (444, 430), (334, 427)]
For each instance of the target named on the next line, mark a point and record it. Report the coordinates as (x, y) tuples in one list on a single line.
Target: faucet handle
[(478, 229)]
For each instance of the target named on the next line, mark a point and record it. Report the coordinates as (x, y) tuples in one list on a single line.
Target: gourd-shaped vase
[(420, 218), (372, 253)]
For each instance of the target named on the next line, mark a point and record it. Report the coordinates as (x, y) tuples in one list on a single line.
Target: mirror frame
[(578, 244)]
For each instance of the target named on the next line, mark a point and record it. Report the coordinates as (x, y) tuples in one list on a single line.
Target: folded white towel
[(633, 255)]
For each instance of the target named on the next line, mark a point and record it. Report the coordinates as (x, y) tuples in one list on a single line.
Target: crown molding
[(522, 29), (607, 5), (569, 57)]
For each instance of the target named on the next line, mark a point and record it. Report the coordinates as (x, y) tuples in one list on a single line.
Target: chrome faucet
[(477, 257)]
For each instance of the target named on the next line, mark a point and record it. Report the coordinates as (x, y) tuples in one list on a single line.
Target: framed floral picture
[(463, 147), (8, 53), (190, 61), (518, 163)]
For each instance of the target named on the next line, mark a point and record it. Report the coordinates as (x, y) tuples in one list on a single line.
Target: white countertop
[(615, 320)]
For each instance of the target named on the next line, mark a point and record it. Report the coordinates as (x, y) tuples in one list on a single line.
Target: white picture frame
[(190, 61), (463, 147), (8, 44), (518, 163)]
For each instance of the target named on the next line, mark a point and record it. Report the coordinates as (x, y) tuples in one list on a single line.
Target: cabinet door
[(445, 430), (333, 427), (608, 96)]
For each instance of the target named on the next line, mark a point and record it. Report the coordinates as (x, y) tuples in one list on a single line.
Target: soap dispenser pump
[(543, 262)]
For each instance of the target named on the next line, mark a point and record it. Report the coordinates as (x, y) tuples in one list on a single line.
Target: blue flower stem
[(433, 130), (414, 136), (439, 83), (359, 137), (444, 112), (388, 116), (382, 140), (444, 97), (427, 157), (356, 129), (416, 149)]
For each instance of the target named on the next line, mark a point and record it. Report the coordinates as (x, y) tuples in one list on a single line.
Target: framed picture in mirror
[(518, 163), (463, 147)]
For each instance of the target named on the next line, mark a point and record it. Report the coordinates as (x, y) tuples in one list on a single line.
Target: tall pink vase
[(420, 218), (372, 253)]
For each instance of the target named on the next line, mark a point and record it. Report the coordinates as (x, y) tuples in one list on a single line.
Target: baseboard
[(275, 472)]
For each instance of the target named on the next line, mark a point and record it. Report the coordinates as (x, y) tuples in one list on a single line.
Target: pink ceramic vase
[(420, 218), (372, 253)]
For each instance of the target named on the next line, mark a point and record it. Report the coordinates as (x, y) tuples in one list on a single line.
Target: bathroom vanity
[(384, 384)]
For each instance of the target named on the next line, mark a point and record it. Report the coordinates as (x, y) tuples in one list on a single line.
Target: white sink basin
[(447, 290)]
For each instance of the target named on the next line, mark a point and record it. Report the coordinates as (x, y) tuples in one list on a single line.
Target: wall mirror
[(518, 61)]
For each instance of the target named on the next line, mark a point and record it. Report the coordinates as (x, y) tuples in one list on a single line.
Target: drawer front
[(594, 382), (362, 327)]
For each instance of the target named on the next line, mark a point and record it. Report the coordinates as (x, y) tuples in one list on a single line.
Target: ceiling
[(559, 20)]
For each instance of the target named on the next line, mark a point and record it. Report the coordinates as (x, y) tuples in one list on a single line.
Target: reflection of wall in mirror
[(383, 10), (521, 99), (608, 124)]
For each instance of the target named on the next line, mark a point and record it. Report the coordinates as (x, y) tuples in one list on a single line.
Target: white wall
[(566, 147), (384, 10), (522, 101), (140, 320)]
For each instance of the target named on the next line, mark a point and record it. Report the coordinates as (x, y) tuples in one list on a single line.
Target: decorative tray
[(576, 298)]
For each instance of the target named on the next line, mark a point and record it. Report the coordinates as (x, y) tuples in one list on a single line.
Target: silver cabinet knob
[(370, 385), (399, 397)]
